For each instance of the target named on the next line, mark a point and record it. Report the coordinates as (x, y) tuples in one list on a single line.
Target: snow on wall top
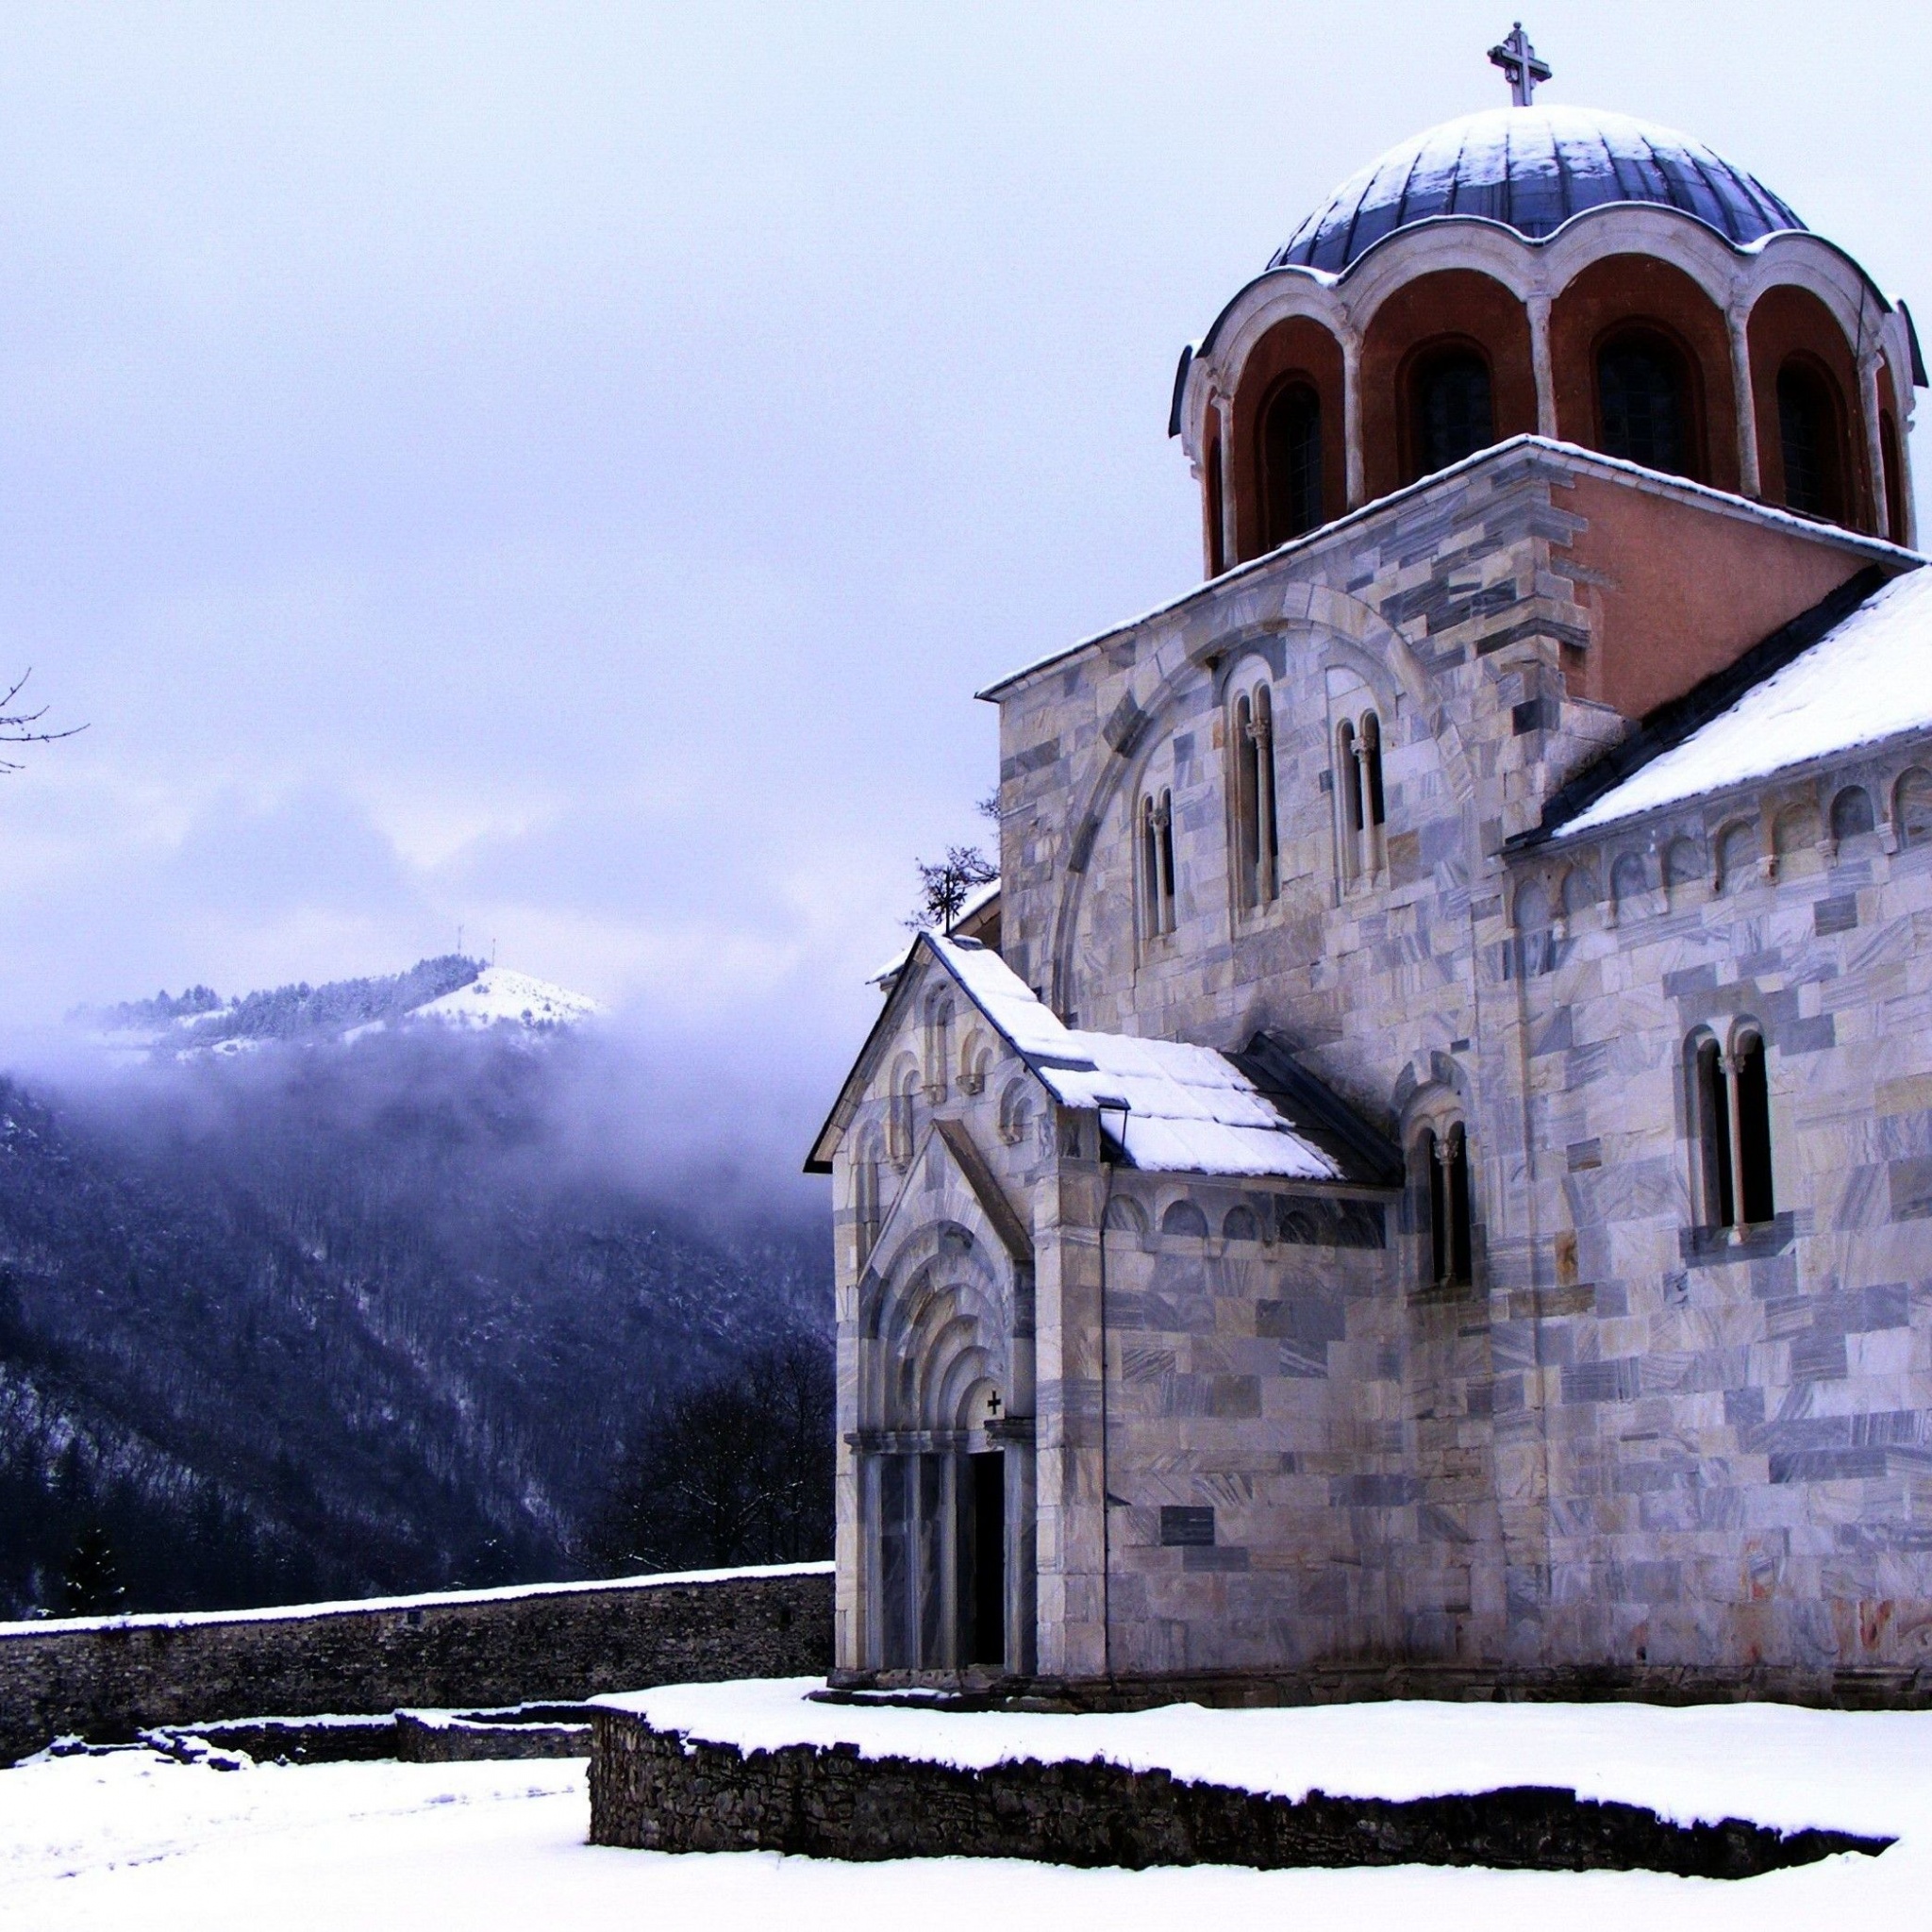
[(1189, 1109), (423, 1600), (1762, 1761), (1867, 678), (1532, 169)]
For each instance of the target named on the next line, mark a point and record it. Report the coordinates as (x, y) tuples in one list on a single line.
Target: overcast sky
[(562, 472)]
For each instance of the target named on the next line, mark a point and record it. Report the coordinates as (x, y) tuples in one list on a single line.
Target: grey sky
[(563, 471)]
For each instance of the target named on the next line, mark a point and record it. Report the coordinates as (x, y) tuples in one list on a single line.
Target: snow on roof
[(1868, 677), (1189, 1110)]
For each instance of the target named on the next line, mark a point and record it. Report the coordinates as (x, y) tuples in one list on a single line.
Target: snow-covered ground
[(132, 1839)]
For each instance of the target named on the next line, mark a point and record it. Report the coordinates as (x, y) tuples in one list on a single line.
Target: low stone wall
[(109, 1679), (659, 1790)]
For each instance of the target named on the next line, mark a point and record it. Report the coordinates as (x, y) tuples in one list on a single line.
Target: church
[(1420, 1175)]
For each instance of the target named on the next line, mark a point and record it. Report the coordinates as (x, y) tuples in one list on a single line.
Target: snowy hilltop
[(452, 990)]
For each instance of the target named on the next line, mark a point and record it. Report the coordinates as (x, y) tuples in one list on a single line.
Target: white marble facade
[(1276, 1422)]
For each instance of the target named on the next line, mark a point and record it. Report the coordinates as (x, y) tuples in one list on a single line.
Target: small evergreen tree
[(92, 1585)]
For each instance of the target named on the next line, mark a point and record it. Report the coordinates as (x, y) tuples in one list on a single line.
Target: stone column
[(1540, 361), (1224, 415), (1874, 449), (1352, 416), (1750, 479)]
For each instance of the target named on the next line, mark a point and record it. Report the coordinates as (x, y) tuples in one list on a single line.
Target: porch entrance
[(942, 1561)]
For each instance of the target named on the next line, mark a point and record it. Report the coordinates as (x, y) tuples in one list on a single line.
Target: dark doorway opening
[(983, 1562)]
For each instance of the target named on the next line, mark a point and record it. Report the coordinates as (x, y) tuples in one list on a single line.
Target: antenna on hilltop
[(1522, 67)]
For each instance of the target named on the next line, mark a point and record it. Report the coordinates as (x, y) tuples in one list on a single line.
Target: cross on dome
[(1521, 67)]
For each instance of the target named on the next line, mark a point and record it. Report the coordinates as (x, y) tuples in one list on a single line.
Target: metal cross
[(1521, 67)]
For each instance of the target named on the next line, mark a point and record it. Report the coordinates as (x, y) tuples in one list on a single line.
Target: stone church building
[(1423, 1171)]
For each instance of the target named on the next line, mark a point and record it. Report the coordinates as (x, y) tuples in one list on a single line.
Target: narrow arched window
[(1348, 803), (1292, 463), (1641, 400), (1266, 835), (1157, 862), (1444, 1160), (1754, 1128), (1246, 773), (1373, 810), (1714, 1134), (1150, 871), (1165, 853), (1459, 1217), (1453, 415), (1807, 421), (1252, 762)]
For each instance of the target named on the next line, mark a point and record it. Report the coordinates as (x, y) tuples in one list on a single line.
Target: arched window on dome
[(1643, 402), (1292, 462), (1451, 412), (1811, 435)]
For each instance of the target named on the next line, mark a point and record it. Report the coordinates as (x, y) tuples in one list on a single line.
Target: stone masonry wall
[(107, 1679), (660, 1791)]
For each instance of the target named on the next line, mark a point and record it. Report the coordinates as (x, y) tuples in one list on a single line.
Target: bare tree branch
[(17, 727)]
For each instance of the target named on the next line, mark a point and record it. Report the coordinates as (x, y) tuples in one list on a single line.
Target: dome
[(1531, 169)]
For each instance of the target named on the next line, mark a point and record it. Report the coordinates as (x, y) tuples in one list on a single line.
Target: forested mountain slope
[(342, 1319)]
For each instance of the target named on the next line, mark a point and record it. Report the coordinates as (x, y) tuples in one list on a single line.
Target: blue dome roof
[(1532, 169)]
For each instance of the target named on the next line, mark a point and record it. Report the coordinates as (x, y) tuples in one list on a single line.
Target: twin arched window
[(1251, 758), (1360, 796), (1643, 401), (1292, 463), (1444, 1160), (1157, 863), (1732, 1100)]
